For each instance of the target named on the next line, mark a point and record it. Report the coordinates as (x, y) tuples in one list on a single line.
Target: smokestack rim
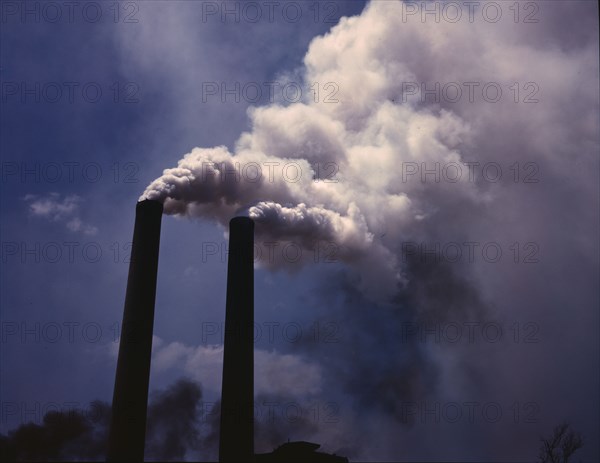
[(149, 205), (242, 222)]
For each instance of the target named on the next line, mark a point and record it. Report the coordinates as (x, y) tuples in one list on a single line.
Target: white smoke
[(337, 171), (275, 373)]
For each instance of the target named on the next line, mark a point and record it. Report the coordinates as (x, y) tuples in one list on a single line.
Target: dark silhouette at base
[(298, 452)]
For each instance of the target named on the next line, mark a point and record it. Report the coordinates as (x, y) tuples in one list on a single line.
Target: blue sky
[(73, 169)]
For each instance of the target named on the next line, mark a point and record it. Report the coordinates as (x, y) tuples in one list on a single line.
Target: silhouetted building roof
[(296, 452)]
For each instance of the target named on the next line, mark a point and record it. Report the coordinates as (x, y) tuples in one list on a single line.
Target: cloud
[(274, 373), (52, 207), (64, 210), (76, 225), (285, 374)]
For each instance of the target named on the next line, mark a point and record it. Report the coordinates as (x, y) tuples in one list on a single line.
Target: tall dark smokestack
[(237, 395), (130, 398)]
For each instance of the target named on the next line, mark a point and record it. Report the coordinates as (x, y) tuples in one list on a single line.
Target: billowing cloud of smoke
[(309, 173), (319, 171), (174, 429)]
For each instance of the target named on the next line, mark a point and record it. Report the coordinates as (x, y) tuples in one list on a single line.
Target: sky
[(424, 181)]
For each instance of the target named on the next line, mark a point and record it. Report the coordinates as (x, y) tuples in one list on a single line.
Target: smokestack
[(237, 394), (130, 398)]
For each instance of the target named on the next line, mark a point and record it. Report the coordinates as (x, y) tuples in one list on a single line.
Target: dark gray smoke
[(69, 435), (434, 296), (76, 435), (173, 422)]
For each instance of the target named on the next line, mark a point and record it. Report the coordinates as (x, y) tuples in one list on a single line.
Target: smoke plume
[(320, 171), (389, 161), (174, 428)]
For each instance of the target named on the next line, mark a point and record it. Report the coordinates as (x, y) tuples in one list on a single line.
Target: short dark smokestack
[(237, 395), (130, 398)]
